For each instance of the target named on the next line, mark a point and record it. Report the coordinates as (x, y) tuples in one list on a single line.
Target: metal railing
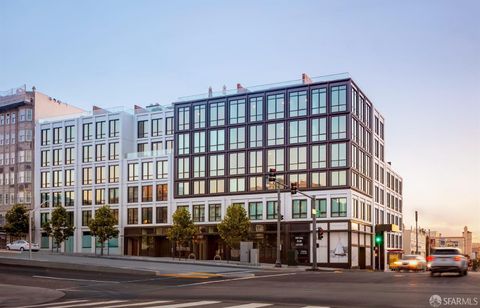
[(13, 95)]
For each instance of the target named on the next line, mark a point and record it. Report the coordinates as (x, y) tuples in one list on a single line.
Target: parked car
[(448, 259), (22, 245), (410, 263)]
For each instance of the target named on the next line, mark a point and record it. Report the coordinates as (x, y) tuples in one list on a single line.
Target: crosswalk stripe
[(251, 305), (87, 304), (53, 304), (316, 307), (192, 304), (143, 304)]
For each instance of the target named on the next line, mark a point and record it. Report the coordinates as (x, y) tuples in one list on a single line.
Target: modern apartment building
[(323, 133), (19, 109)]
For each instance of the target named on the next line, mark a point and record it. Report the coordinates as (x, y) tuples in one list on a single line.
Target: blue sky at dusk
[(418, 61)]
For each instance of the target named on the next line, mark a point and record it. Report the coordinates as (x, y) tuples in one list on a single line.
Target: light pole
[(278, 262), (416, 232)]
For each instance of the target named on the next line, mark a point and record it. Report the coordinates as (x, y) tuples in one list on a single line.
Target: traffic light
[(378, 239), (293, 188), (272, 175), (320, 233), (376, 251)]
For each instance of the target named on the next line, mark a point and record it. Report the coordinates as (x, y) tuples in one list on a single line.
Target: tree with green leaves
[(235, 226), (59, 228), (183, 229), (16, 223), (102, 226)]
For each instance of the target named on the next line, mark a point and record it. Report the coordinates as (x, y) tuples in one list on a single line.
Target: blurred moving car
[(411, 263), (22, 245), (448, 259)]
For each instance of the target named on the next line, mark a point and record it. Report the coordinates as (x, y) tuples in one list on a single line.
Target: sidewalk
[(15, 296)]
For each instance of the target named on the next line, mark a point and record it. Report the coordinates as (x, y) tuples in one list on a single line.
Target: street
[(258, 289)]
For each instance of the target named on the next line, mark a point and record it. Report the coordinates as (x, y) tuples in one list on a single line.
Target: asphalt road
[(263, 288)]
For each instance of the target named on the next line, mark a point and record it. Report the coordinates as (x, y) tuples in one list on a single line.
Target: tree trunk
[(101, 247)]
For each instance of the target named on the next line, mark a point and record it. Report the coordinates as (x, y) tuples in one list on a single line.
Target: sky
[(417, 61)]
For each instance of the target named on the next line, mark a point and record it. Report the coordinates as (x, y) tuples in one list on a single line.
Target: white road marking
[(138, 304), (53, 304), (251, 305), (192, 304), (102, 304), (74, 279), (233, 279), (316, 307)]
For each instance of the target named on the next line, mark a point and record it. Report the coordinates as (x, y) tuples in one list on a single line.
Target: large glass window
[(319, 179), (113, 195), (339, 207), (276, 134), (237, 138), (132, 194), (199, 187), (44, 158), (319, 156), (86, 217), (299, 209), (69, 177), (169, 125), (338, 99), (87, 176), (199, 116), (217, 114), (57, 157), (198, 166), (100, 130), (338, 178), (319, 129), (162, 169), (57, 135), (217, 165), (183, 118), (99, 196), (69, 156), (214, 212), (338, 127), (217, 186), (147, 170), (69, 198), (100, 175), (237, 163), (87, 131), (237, 184), (183, 168), (299, 178), (271, 209), (87, 153), (255, 210), (183, 188), (87, 197), (256, 109), (114, 128), (298, 103), (199, 142), (256, 136), (319, 101), (162, 192), (276, 106), (100, 152), (321, 207), (338, 155), (255, 183), (198, 212), (133, 171), (156, 127), (113, 150), (147, 193), (45, 137), (256, 162), (217, 140), (147, 215), (298, 158), (69, 133), (162, 215), (237, 111), (298, 131), (183, 144), (132, 216), (276, 159)]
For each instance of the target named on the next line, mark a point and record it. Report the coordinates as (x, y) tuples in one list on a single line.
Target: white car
[(448, 259), (22, 245)]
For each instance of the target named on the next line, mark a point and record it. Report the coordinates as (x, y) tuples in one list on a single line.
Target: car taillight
[(430, 258), (457, 258)]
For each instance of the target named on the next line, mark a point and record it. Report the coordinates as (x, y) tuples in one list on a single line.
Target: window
[(276, 106), (214, 212), (87, 131), (87, 153), (237, 138), (169, 125), (142, 129), (276, 134), (237, 163), (44, 158), (132, 216), (183, 168), (217, 186), (113, 173), (338, 178), (298, 131), (69, 198), (162, 192), (87, 176), (199, 116), (276, 159), (256, 162), (69, 133), (133, 172), (99, 196), (321, 207), (255, 183), (57, 135), (217, 140), (57, 178), (45, 136), (113, 151), (199, 142), (162, 169), (256, 109), (256, 136), (339, 207), (132, 194), (198, 166), (87, 197), (100, 130), (100, 152), (114, 128), (319, 129), (69, 177), (147, 193), (298, 103), (338, 128), (237, 111), (217, 165), (113, 195), (183, 142), (299, 178), (183, 188), (217, 114), (319, 101), (198, 212), (338, 99), (271, 209), (255, 210), (156, 127), (183, 118), (299, 209), (319, 156), (162, 215), (237, 184), (147, 170), (44, 179), (319, 179), (157, 146), (142, 147), (298, 158), (100, 175), (69, 156), (86, 217)]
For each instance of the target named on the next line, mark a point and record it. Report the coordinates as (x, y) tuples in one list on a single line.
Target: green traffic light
[(378, 239)]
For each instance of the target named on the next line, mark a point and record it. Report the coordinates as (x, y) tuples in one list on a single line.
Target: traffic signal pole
[(278, 262), (314, 235)]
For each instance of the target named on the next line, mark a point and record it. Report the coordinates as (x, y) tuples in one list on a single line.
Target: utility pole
[(314, 234), (278, 262), (30, 233), (416, 232)]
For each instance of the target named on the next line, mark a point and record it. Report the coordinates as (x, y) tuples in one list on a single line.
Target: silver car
[(448, 259), (22, 245)]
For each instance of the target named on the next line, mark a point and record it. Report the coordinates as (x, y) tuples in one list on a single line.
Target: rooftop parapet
[(14, 95)]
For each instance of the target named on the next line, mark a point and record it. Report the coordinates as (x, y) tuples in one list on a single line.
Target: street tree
[(59, 228), (183, 229), (102, 226), (16, 221), (235, 226)]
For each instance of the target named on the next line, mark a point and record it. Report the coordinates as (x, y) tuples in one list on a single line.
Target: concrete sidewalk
[(15, 296)]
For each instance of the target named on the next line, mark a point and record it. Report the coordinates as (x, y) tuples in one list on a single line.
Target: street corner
[(18, 296)]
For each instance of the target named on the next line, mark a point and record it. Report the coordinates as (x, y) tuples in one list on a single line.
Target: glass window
[(299, 209), (198, 212), (299, 178), (256, 162), (86, 217), (132, 216), (162, 169), (338, 178), (114, 128), (338, 99), (319, 129), (147, 170), (183, 168), (199, 187), (255, 183), (319, 156), (69, 198), (133, 172), (214, 212), (198, 166), (113, 195), (87, 176), (319, 101), (100, 175), (147, 215), (44, 158), (321, 207), (255, 210), (113, 173), (162, 192), (113, 151), (217, 186), (256, 109), (298, 158), (217, 140), (237, 184), (183, 118), (183, 142), (57, 135), (276, 159), (199, 142), (298, 103), (87, 153), (339, 207), (271, 209), (298, 131), (132, 194), (237, 163), (69, 177), (69, 156), (100, 130), (100, 152), (169, 125), (99, 196), (338, 128), (199, 116), (162, 215), (157, 146), (319, 179), (256, 136), (276, 135), (217, 114), (147, 193), (87, 131), (276, 106), (237, 111), (217, 165), (57, 157), (87, 197), (338, 155), (237, 138), (45, 137)]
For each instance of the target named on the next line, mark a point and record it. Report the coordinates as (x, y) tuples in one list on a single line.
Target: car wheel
[(8, 248), (465, 273), (21, 249)]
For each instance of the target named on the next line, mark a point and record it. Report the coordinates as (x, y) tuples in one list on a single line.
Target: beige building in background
[(410, 244), (464, 242)]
